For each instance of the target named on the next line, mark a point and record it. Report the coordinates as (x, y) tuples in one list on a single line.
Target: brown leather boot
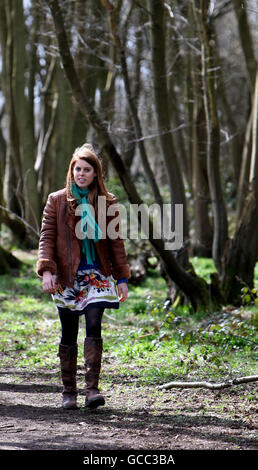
[(68, 362), (92, 356)]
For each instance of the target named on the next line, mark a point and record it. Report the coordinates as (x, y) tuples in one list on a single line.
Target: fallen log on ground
[(209, 385)]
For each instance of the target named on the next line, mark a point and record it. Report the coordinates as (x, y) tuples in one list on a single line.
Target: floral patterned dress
[(90, 288)]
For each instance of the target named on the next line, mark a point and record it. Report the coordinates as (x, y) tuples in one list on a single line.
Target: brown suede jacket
[(60, 249)]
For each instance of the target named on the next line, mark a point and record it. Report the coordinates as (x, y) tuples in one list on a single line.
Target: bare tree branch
[(20, 219), (209, 385)]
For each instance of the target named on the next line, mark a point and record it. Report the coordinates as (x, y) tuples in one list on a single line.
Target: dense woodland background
[(167, 92)]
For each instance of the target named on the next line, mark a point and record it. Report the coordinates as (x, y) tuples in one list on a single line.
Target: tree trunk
[(12, 172), (203, 235), (213, 131), (168, 149), (179, 91), (25, 114), (241, 258), (243, 182), (203, 229), (246, 40), (8, 262), (47, 118), (161, 99), (20, 191)]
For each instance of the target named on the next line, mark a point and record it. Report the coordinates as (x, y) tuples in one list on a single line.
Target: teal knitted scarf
[(89, 225)]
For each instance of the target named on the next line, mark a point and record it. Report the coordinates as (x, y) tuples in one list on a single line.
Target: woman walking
[(82, 262)]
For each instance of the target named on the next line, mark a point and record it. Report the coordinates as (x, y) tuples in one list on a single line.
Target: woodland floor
[(134, 417)]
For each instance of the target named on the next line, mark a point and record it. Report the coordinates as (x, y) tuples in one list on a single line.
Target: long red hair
[(97, 187)]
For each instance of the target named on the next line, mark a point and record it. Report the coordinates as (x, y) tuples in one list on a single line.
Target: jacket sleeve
[(47, 242), (120, 266)]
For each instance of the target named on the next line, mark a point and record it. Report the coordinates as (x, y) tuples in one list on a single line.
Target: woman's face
[(83, 173)]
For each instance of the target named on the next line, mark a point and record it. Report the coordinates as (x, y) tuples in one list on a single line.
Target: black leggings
[(70, 324)]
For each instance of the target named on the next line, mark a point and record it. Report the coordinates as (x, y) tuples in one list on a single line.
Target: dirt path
[(135, 417)]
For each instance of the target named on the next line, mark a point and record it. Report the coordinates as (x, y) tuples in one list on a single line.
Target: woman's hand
[(49, 282), (122, 291)]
